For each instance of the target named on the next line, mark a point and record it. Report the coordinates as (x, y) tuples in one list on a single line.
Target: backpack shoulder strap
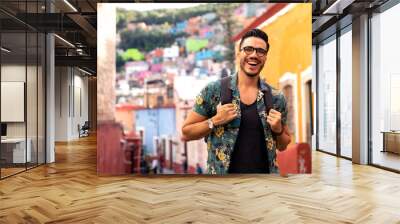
[(226, 93), (267, 100)]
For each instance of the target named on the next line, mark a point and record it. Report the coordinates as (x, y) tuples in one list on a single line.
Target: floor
[(388, 159), (10, 171), (69, 191), (5, 172)]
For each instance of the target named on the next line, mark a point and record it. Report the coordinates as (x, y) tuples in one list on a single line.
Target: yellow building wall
[(290, 38)]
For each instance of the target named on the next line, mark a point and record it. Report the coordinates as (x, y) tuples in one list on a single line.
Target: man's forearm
[(196, 131), (282, 141)]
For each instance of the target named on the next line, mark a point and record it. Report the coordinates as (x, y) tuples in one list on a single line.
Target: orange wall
[(290, 37), (126, 118)]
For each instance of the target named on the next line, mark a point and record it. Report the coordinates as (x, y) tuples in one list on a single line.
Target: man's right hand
[(225, 114)]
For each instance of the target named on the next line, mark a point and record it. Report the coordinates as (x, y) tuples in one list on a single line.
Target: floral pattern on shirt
[(221, 140)]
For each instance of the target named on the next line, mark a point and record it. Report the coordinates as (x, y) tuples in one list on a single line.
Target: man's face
[(251, 64)]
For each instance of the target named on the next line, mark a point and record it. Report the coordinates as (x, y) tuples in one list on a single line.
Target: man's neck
[(246, 81)]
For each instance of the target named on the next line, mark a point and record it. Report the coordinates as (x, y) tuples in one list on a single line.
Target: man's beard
[(250, 74)]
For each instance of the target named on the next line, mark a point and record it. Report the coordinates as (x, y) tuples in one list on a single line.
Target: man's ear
[(237, 52)]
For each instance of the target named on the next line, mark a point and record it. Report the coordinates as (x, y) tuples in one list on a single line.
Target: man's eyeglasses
[(259, 51)]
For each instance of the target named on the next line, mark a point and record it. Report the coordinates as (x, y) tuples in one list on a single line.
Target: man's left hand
[(274, 120)]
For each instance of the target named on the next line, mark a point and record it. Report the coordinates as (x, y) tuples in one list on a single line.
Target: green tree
[(147, 41), (132, 54), (120, 62), (171, 16), (226, 12)]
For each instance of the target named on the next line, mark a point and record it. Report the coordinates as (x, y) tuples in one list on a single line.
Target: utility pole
[(185, 108)]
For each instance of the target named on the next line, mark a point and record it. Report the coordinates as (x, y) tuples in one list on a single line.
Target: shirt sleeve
[(203, 104)]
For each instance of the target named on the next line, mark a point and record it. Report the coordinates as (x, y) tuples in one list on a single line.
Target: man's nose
[(254, 53)]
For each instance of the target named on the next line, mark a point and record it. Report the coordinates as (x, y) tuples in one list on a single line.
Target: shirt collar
[(261, 84)]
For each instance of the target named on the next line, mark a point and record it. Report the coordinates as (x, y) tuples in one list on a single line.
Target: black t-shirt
[(250, 153)]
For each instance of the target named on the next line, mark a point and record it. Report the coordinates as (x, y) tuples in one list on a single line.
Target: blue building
[(155, 123)]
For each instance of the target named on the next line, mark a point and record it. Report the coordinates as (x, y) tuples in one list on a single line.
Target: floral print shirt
[(221, 140)]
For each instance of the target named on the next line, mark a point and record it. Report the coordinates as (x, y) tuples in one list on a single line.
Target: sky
[(154, 6)]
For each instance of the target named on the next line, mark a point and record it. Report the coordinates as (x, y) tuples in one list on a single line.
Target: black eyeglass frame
[(259, 51)]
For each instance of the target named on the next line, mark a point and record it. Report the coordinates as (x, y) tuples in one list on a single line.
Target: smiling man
[(241, 116)]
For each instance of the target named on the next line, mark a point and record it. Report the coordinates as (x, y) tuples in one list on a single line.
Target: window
[(346, 93), (22, 65), (385, 89), (327, 95), (288, 93)]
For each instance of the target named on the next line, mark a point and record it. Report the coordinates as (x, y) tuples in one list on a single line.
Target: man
[(154, 166), (199, 170), (241, 137), (184, 163), (162, 162)]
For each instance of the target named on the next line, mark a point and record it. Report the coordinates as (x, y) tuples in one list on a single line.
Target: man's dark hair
[(255, 33)]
